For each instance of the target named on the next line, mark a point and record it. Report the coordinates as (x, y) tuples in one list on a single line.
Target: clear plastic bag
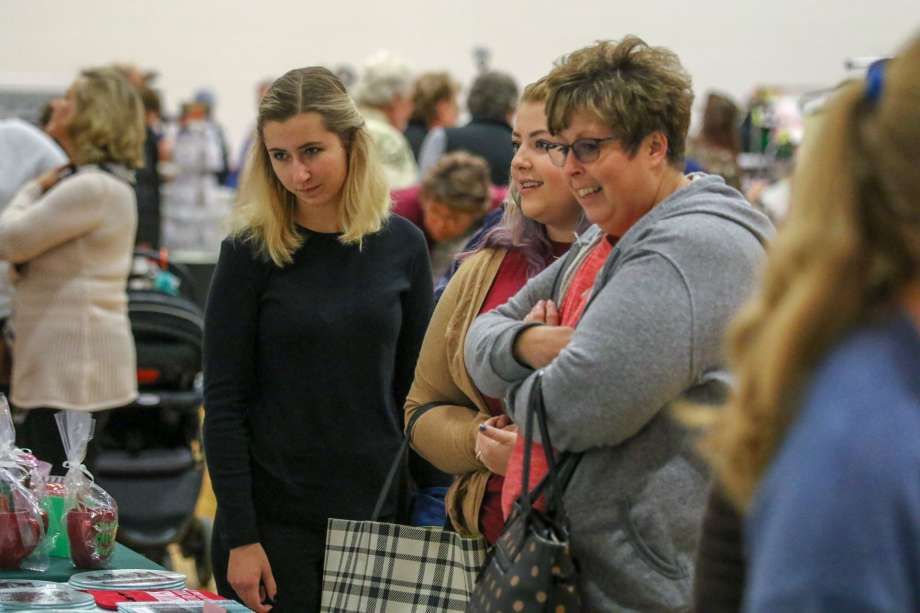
[(23, 518), (90, 513)]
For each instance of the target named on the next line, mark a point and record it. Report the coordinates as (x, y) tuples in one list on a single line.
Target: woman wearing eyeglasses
[(630, 321)]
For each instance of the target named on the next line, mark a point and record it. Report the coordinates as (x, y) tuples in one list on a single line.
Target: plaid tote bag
[(391, 568)]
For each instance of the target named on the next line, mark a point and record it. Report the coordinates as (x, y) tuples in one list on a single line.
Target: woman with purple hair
[(467, 433)]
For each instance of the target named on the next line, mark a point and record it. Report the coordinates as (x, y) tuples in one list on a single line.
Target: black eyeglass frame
[(585, 158)]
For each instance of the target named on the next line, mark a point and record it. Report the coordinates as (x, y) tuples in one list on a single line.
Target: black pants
[(295, 554), (39, 432)]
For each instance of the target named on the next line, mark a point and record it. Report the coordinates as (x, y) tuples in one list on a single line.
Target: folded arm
[(34, 222), (629, 356)]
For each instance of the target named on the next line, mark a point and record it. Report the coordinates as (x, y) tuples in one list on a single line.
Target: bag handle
[(536, 409), (400, 455)]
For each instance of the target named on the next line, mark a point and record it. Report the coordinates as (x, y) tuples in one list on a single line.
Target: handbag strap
[(560, 469), (552, 475), (536, 411), (400, 456), (525, 497)]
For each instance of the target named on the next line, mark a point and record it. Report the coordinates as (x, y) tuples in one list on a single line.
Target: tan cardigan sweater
[(446, 435), (73, 347)]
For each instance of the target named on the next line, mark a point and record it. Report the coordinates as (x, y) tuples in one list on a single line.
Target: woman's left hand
[(50, 178), (495, 442), (544, 312)]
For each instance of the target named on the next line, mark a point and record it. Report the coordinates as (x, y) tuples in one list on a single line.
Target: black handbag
[(531, 568)]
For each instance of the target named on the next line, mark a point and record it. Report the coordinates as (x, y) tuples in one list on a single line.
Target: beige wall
[(228, 46)]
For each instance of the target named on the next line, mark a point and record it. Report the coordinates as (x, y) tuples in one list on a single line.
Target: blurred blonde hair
[(850, 246), (265, 213), (108, 122)]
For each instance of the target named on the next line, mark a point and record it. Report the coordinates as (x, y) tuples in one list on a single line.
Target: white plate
[(44, 597), (124, 579)]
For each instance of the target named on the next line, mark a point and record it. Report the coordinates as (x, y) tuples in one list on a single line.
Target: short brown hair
[(459, 180), (430, 89), (632, 87)]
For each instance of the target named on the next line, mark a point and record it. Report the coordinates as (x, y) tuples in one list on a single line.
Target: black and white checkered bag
[(373, 566), (391, 568)]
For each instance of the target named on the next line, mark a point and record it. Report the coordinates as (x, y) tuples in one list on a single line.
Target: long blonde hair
[(849, 247), (265, 213)]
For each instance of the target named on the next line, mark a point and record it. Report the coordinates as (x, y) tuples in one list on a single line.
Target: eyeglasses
[(585, 150)]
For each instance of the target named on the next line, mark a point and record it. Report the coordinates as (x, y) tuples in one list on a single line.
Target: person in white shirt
[(25, 153)]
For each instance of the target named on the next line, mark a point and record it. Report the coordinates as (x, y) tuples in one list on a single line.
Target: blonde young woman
[(818, 442), (314, 321), (539, 225), (70, 235)]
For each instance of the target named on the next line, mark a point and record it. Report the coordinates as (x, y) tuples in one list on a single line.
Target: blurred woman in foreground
[(818, 442)]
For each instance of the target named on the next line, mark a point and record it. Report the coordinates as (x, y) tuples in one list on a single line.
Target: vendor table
[(60, 569)]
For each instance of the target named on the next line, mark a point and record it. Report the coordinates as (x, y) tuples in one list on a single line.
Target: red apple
[(92, 536), (20, 532)]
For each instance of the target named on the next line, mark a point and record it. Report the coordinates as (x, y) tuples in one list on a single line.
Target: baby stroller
[(150, 456)]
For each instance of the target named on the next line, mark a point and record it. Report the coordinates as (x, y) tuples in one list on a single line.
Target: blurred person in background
[(208, 102), (315, 317), (25, 153), (629, 322), (715, 149), (448, 206), (384, 97), (817, 444), (193, 202), (538, 227), (70, 236), (147, 178), (233, 180), (434, 105), (491, 103)]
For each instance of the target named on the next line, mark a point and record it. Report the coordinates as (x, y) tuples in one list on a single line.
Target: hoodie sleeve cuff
[(503, 360)]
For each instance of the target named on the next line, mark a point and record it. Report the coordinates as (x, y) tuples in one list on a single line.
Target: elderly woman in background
[(630, 321), (434, 105), (384, 97), (70, 235), (449, 205)]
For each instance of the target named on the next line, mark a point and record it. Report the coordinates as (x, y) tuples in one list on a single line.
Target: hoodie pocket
[(647, 534)]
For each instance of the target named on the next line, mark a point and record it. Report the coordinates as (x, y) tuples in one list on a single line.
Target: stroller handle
[(161, 257)]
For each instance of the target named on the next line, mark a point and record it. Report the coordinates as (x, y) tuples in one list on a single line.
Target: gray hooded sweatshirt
[(651, 334)]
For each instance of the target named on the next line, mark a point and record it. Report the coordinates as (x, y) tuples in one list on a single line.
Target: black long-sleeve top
[(306, 371)]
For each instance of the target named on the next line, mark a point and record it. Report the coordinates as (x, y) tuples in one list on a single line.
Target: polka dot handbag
[(531, 568)]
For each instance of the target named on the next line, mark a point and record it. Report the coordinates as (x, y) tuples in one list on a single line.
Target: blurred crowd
[(717, 334)]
